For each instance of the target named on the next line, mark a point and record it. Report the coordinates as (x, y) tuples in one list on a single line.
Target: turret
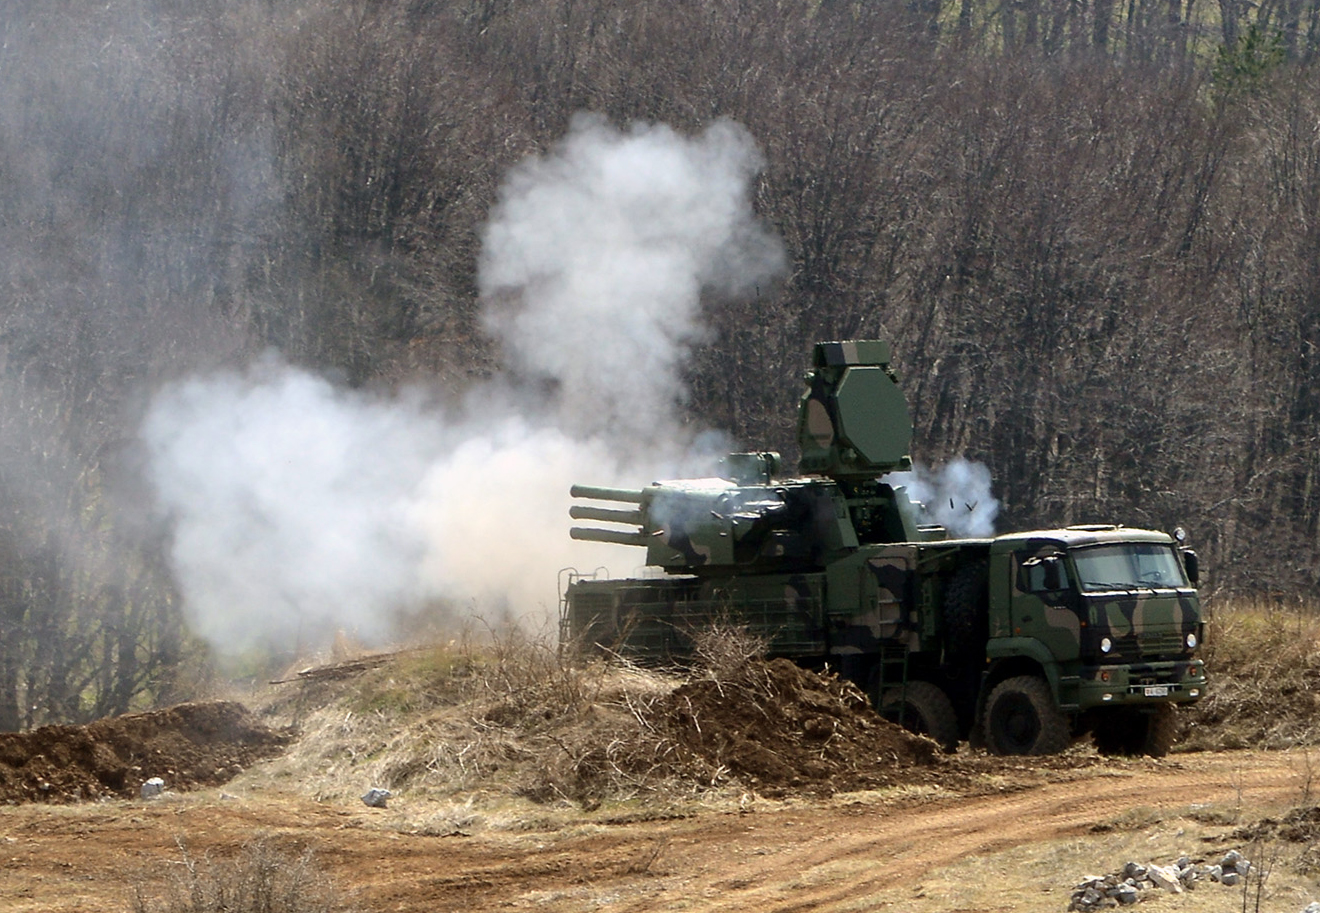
[(853, 426)]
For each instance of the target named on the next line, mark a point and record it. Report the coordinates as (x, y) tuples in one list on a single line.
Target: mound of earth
[(189, 745), (781, 729)]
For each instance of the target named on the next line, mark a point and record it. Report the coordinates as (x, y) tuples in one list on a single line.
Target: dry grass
[(511, 732), (466, 729), (725, 651), (1040, 877), (504, 731), (263, 879), (1263, 660)]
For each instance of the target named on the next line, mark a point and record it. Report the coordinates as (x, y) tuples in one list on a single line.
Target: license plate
[(1157, 691)]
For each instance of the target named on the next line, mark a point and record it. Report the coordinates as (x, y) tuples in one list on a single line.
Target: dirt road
[(851, 852)]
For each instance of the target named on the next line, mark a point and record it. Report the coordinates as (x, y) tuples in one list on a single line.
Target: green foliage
[(1241, 69)]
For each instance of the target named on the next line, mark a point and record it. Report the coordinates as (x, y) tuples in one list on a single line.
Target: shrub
[(262, 879)]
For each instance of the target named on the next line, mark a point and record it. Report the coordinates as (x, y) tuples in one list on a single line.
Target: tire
[(924, 709), (1161, 731), (1118, 732), (1131, 732), (966, 612), (1021, 718)]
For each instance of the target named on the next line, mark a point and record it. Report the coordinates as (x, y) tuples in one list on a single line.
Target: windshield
[(1131, 565)]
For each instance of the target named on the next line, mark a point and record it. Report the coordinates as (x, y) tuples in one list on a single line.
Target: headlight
[(1191, 641), (1106, 645)]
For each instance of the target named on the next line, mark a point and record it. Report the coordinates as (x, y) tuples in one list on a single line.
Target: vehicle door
[(1044, 600)]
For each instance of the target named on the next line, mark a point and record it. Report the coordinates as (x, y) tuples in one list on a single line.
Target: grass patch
[(1263, 662), (482, 721)]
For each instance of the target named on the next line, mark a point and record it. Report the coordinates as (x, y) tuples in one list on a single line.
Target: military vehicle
[(1018, 642)]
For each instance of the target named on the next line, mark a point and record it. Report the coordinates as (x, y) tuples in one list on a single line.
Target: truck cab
[(1109, 616)]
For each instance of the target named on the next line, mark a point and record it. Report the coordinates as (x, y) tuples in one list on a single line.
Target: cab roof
[(1079, 536)]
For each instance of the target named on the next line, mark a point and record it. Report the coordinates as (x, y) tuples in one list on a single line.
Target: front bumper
[(1137, 684)]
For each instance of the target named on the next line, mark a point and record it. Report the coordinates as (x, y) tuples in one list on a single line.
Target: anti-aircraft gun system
[(1020, 641), (853, 427)]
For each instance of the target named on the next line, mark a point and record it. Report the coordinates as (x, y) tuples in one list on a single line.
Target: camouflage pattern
[(706, 526), (832, 571), (882, 613), (853, 421), (1052, 616), (1151, 632), (1141, 621), (882, 600)]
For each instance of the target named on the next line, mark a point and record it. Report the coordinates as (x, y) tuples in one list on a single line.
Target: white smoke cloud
[(300, 508), (289, 501), (957, 496), (596, 257)]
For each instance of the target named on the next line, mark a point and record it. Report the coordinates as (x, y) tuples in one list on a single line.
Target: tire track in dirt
[(842, 860), (846, 854)]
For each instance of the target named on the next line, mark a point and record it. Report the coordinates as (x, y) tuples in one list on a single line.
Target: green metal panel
[(656, 619), (871, 409)]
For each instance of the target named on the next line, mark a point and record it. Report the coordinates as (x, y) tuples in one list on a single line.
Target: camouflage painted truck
[(1019, 642)]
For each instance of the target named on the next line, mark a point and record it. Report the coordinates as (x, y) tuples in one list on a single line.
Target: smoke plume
[(596, 257), (300, 507), (957, 496)]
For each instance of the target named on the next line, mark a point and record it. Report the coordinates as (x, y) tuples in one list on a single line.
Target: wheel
[(1021, 718), (1118, 732), (1161, 731), (966, 611), (1132, 732), (924, 709)]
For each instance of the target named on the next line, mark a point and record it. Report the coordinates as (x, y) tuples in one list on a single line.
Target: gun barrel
[(628, 495), (617, 537), (607, 514)]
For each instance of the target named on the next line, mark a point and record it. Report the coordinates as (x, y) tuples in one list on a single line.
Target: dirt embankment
[(189, 745), (772, 728), (780, 729)]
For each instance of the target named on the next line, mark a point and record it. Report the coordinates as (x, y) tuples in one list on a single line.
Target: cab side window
[(1042, 574)]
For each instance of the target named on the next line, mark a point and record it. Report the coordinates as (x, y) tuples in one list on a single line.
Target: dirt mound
[(521, 721), (781, 729), (1298, 825), (189, 745)]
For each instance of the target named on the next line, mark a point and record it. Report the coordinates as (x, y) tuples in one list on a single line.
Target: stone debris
[(1166, 877), (1127, 886), (376, 797), (152, 788)]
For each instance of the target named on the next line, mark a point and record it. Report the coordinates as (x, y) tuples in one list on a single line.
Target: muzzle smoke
[(300, 508), (957, 496)]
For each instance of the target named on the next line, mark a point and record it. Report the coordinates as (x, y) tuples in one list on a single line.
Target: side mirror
[(1192, 565)]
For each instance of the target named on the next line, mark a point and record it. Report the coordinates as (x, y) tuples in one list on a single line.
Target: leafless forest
[(1090, 229)]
